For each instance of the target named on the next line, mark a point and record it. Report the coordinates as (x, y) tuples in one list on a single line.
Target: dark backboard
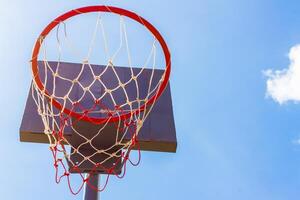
[(158, 132)]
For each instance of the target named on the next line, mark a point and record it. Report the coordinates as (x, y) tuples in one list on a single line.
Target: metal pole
[(89, 193)]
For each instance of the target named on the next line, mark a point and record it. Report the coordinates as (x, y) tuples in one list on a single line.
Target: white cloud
[(284, 85), (296, 142)]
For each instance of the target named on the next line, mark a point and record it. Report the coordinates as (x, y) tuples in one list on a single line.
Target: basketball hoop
[(100, 113)]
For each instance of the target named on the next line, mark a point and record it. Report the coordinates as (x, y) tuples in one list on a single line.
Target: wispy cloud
[(284, 85), (296, 142)]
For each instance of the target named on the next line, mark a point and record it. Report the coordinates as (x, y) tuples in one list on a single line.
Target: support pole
[(89, 193)]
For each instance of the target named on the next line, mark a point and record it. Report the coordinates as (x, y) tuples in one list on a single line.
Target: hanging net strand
[(66, 102)]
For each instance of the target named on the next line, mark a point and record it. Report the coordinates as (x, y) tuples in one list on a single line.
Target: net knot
[(76, 103), (97, 101), (126, 157), (47, 131), (41, 38), (55, 74), (40, 111), (86, 180), (85, 112), (129, 103), (131, 122), (75, 167), (139, 122), (53, 147), (122, 85), (99, 151), (108, 91), (110, 170), (126, 124)]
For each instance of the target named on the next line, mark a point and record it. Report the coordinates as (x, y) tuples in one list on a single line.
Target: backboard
[(157, 134)]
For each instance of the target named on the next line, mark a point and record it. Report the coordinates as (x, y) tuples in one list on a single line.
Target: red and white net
[(110, 102)]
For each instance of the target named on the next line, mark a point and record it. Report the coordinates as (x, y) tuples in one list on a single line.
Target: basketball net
[(61, 104)]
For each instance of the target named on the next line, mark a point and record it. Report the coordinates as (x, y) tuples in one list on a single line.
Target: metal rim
[(89, 9)]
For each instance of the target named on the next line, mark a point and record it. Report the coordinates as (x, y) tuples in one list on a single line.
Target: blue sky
[(234, 142)]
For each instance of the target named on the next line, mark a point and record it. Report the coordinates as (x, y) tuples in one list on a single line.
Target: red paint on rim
[(109, 9)]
